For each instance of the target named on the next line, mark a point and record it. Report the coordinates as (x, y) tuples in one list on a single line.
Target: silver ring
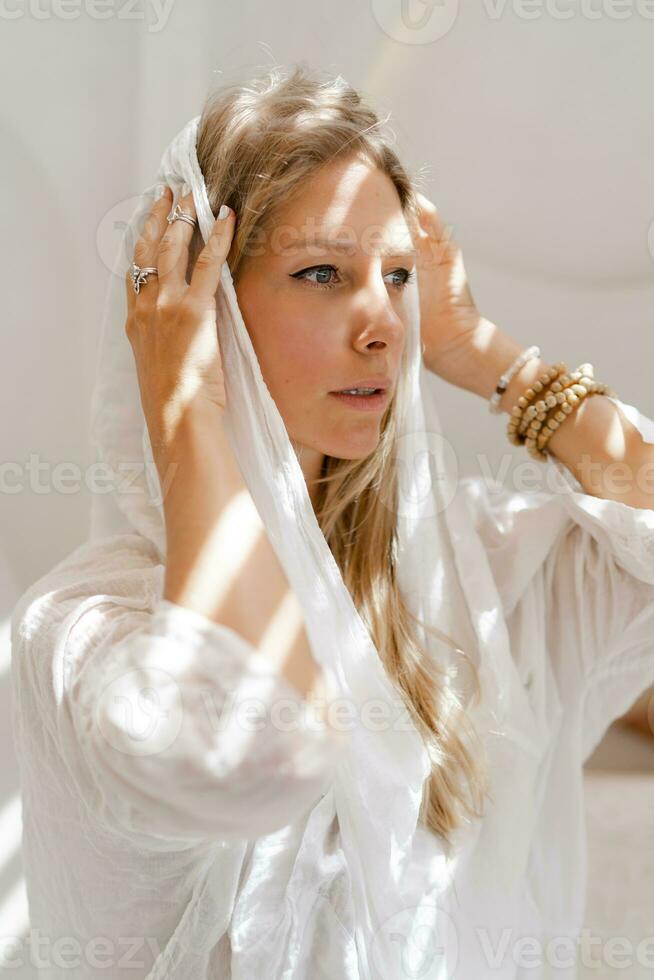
[(178, 215), (140, 276)]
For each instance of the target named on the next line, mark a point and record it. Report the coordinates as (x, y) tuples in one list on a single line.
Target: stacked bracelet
[(574, 394), (555, 395), (524, 402), (533, 423)]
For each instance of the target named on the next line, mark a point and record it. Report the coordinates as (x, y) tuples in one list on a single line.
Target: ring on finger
[(140, 276), (178, 215)]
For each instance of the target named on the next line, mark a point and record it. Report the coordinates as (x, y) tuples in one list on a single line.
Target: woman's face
[(323, 317)]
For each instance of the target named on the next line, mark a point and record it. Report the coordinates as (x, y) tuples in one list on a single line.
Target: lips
[(367, 403), (378, 382)]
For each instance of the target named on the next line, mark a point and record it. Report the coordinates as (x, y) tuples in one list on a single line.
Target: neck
[(310, 461)]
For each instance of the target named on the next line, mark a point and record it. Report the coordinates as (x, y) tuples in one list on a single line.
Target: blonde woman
[(278, 365)]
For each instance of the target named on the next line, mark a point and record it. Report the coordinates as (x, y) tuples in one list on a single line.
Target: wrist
[(198, 471), (193, 439), (490, 353), (521, 380)]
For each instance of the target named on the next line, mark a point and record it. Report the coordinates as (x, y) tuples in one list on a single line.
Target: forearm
[(602, 449), (220, 561)]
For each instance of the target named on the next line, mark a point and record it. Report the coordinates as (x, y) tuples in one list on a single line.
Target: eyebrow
[(346, 245)]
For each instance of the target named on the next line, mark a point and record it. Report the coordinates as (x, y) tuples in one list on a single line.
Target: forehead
[(345, 206)]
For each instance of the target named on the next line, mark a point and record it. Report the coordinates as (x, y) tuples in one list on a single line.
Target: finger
[(172, 258), (413, 222), (131, 295), (430, 218), (147, 245), (209, 263), (142, 248)]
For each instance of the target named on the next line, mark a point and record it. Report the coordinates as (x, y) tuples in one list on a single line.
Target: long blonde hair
[(257, 143)]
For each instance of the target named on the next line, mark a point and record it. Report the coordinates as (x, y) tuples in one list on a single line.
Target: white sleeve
[(602, 596), (593, 562), (173, 727)]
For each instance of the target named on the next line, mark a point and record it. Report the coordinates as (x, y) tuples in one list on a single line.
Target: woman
[(189, 794)]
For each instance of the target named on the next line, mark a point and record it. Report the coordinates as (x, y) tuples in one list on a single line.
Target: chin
[(350, 448)]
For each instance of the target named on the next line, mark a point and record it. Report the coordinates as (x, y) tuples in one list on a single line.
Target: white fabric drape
[(288, 853)]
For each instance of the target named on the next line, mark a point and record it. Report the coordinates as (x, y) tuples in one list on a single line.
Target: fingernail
[(224, 211), (160, 191)]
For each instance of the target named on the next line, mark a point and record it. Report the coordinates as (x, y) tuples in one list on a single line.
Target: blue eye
[(321, 269), (408, 277), (318, 270)]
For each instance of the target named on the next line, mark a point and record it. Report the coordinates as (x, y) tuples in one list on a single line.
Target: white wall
[(537, 135)]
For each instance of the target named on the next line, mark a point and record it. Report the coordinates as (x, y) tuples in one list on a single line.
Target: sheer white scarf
[(442, 570)]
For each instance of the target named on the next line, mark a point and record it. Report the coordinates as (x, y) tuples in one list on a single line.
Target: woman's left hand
[(449, 318)]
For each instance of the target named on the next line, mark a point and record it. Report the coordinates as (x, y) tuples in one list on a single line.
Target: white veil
[(442, 570)]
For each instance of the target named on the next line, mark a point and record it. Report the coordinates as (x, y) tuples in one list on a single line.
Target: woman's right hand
[(218, 554), (171, 324)]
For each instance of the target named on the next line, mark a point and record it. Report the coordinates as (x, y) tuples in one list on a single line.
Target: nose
[(378, 325)]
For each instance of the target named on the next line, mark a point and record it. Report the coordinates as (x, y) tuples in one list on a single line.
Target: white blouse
[(145, 857)]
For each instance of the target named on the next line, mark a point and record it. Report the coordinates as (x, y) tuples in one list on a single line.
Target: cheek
[(300, 361), (299, 350)]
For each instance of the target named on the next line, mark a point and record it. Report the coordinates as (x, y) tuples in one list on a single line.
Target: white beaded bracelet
[(503, 383)]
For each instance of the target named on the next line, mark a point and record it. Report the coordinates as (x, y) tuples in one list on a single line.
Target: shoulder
[(122, 566)]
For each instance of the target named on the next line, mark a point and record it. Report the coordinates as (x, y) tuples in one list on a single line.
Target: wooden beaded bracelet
[(560, 398), (554, 399), (527, 397), (553, 395), (576, 394), (533, 425)]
